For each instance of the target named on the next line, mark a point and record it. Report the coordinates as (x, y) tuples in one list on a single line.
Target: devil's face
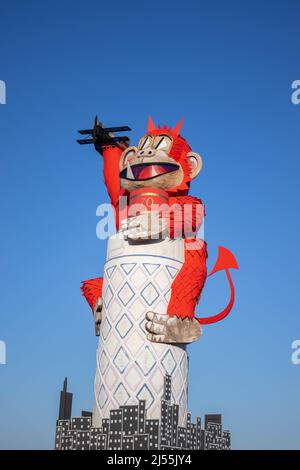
[(150, 164)]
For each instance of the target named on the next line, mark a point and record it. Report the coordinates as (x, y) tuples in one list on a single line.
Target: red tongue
[(148, 172)]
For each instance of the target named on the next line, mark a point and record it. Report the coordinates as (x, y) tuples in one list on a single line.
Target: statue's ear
[(195, 163)]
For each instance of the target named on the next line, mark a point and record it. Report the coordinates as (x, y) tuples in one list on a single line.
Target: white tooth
[(129, 173), (153, 171)]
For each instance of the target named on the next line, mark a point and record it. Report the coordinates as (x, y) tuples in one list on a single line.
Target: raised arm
[(111, 160)]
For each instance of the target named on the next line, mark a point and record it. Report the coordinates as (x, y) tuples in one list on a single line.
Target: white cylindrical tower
[(137, 279)]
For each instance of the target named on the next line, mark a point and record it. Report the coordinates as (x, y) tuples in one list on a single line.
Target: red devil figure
[(162, 165)]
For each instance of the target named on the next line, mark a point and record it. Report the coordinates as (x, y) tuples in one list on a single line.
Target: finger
[(156, 338), (130, 227), (129, 232), (150, 315), (138, 235), (157, 318), (155, 328), (132, 218), (160, 318), (124, 223), (155, 235), (133, 237), (134, 222)]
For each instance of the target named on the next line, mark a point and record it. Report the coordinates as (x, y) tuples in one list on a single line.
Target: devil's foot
[(166, 329)]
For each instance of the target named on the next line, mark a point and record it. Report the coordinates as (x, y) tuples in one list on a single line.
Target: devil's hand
[(146, 226)]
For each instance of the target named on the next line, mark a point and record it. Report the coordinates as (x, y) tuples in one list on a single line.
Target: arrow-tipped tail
[(225, 261)]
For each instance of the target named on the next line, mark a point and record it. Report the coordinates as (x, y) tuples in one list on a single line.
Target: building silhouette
[(129, 429), (65, 405)]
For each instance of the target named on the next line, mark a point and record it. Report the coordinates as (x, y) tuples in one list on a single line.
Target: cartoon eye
[(145, 142), (162, 142)]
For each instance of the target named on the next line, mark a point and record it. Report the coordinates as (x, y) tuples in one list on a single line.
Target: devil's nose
[(145, 153)]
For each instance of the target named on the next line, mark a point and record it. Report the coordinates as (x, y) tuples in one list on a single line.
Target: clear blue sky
[(228, 68)]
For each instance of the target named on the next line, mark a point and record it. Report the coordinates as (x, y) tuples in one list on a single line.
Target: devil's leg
[(92, 291), (189, 282), (179, 324)]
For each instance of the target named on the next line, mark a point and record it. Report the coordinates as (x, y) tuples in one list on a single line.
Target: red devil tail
[(226, 261)]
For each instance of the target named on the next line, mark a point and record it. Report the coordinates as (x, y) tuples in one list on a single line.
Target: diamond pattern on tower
[(151, 268), (161, 280), (125, 294), (133, 378), (146, 360), (110, 270), (123, 326), (121, 395), (145, 394), (106, 327), (103, 363), (121, 359), (102, 397), (108, 296), (150, 294), (110, 378), (132, 367), (172, 271), (128, 267), (138, 278), (169, 362), (134, 342), (182, 399), (116, 278)]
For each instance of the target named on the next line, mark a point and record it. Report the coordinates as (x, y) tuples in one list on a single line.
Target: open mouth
[(146, 171)]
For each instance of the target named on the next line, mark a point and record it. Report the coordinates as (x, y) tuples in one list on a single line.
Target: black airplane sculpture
[(102, 136)]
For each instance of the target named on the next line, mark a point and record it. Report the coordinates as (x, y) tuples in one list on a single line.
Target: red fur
[(178, 151), (189, 221), (188, 284), (92, 291)]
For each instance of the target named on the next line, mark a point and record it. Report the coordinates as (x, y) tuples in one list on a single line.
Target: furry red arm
[(186, 217), (111, 160)]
